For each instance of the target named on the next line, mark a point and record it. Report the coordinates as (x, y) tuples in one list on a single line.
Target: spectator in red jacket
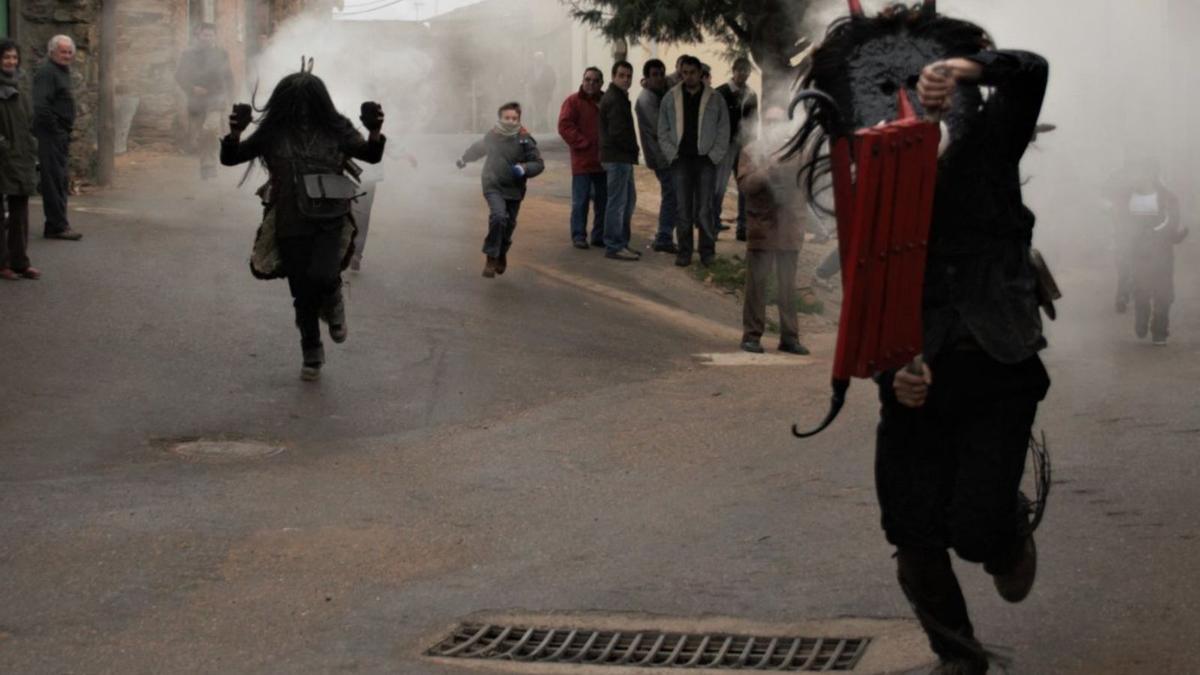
[(579, 126)]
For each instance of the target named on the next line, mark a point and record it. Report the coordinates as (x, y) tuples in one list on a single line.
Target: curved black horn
[(840, 387)]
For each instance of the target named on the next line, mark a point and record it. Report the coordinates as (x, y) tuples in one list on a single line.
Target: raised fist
[(372, 116), (240, 118), (460, 164)]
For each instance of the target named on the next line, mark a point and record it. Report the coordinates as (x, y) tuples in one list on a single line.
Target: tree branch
[(742, 33)]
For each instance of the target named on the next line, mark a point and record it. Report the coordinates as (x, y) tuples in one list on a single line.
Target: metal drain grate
[(650, 649)]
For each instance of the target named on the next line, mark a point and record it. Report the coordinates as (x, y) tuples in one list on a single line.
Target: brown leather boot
[(489, 268)]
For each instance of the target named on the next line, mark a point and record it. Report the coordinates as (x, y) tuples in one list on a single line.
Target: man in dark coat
[(18, 167), (618, 155), (206, 78), (512, 159), (579, 126), (53, 122), (654, 87)]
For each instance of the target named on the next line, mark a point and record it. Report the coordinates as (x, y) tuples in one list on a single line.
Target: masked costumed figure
[(308, 230), (955, 429)]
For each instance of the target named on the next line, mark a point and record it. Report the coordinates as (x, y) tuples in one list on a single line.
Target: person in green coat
[(18, 167)]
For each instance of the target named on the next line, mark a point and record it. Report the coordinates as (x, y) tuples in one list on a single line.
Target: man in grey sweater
[(693, 132), (654, 87)]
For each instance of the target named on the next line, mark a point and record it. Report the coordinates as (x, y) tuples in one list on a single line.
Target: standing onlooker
[(742, 103), (618, 155), (541, 84), (677, 76), (775, 233), (1152, 213), (512, 159), (18, 167), (654, 87), (693, 132), (53, 121), (206, 78), (579, 126)]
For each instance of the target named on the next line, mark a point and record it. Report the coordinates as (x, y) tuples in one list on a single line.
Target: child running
[(512, 159)]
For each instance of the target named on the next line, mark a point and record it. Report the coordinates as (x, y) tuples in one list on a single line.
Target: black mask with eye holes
[(864, 63)]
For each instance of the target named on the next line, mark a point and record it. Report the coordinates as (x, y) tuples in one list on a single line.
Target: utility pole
[(105, 122)]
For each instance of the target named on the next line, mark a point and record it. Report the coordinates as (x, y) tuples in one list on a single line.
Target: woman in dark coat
[(18, 167), (303, 141)]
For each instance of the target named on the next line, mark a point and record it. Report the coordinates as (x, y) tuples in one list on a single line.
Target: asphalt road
[(516, 443)]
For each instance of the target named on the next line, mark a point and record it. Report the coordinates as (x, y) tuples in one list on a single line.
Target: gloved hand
[(460, 163), (240, 118), (372, 116), (518, 170)]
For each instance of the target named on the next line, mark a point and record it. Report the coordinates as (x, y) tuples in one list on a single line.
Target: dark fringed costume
[(301, 135), (948, 474)]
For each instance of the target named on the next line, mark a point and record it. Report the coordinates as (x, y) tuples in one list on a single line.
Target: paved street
[(545, 441)]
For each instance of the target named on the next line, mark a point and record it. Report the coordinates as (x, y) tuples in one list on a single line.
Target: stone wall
[(39, 20), (151, 36)]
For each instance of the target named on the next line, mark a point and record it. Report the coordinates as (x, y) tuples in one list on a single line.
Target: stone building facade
[(32, 23), (150, 35)]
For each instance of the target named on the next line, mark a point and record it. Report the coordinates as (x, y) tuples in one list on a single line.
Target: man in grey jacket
[(693, 133), (654, 87)]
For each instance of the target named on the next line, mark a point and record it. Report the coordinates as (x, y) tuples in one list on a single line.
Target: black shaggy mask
[(864, 64)]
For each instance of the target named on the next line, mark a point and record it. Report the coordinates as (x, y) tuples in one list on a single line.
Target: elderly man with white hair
[(53, 121)]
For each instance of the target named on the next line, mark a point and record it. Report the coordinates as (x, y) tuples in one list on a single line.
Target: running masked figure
[(308, 230), (952, 441)]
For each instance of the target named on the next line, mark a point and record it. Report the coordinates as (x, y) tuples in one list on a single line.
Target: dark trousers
[(1152, 312), (314, 266), (695, 178), (722, 184), (754, 308), (668, 209), (14, 240), (53, 155), (361, 210), (948, 476), (588, 187), (1124, 276), (203, 128), (502, 222)]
